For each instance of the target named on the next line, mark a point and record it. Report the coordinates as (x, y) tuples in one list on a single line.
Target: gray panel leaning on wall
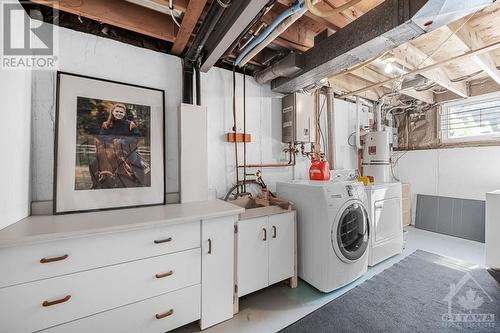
[(464, 218)]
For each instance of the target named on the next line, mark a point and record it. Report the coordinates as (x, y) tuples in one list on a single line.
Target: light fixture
[(389, 68)]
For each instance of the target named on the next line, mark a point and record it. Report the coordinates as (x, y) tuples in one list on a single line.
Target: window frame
[(494, 137)]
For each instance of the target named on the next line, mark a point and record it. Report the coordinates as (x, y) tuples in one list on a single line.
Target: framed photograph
[(109, 145)]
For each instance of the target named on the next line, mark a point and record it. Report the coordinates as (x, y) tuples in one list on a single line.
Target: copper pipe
[(291, 162), (244, 134)]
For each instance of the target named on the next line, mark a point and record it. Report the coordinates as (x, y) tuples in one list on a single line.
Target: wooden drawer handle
[(47, 260), (59, 301), (166, 314), (166, 240), (162, 275), (274, 231)]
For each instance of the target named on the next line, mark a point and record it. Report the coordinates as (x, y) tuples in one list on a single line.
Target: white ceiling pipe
[(273, 35), (358, 123)]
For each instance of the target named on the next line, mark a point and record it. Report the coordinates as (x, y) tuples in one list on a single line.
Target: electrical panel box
[(297, 118)]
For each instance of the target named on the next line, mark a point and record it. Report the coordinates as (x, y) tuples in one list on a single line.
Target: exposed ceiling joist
[(349, 83), (469, 38), (193, 13), (371, 76), (327, 22), (120, 14), (422, 70), (413, 58), (162, 5)]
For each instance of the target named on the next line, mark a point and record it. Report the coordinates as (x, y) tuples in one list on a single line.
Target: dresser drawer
[(22, 264), (173, 309), (45, 303)]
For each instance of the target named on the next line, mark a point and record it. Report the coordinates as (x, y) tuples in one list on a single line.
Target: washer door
[(350, 231)]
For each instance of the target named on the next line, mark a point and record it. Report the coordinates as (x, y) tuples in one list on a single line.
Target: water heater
[(297, 118), (377, 156)]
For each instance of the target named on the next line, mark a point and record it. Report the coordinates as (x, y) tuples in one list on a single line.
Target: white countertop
[(497, 192), (52, 227)]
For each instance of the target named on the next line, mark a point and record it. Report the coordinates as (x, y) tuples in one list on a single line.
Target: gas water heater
[(377, 156)]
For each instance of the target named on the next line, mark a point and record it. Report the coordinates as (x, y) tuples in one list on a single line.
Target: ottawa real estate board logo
[(27, 41)]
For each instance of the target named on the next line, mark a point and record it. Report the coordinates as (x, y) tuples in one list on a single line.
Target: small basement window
[(475, 119)]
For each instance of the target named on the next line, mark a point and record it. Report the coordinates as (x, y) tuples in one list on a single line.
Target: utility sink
[(253, 208)]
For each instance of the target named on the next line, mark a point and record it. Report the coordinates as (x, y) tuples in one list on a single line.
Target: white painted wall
[(103, 58), (263, 115), (15, 136), (466, 173)]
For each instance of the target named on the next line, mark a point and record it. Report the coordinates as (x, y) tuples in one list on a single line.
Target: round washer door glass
[(352, 232)]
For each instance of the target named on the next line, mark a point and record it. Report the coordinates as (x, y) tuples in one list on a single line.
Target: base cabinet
[(217, 278), (266, 251), (152, 279)]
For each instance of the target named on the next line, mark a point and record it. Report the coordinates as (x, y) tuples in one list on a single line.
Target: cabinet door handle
[(162, 275), (47, 260), (265, 234), (274, 231), (58, 301), (165, 314), (209, 246), (165, 240)]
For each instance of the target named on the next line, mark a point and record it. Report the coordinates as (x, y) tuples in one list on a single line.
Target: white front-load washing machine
[(333, 230)]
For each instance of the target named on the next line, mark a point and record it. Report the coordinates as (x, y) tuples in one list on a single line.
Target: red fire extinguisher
[(319, 170)]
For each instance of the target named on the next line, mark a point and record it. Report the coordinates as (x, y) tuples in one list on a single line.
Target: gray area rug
[(422, 293)]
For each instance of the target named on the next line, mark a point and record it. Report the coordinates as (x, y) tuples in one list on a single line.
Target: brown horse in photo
[(118, 164)]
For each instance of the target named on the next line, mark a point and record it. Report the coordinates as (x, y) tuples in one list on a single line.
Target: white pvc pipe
[(358, 123), (378, 115)]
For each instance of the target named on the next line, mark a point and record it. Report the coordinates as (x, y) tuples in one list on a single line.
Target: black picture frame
[(55, 211)]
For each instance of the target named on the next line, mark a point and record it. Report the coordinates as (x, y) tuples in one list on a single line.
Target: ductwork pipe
[(273, 35), (286, 67)]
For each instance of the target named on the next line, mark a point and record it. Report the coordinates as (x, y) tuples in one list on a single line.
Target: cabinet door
[(387, 221), (217, 279), (253, 236), (281, 246)]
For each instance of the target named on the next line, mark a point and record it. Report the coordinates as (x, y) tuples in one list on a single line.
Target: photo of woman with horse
[(119, 154)]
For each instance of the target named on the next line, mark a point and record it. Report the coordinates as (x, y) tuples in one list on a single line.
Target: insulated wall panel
[(462, 218)]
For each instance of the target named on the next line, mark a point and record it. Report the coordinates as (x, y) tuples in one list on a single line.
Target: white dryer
[(386, 221), (333, 231)]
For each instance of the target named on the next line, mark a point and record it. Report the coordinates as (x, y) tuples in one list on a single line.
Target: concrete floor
[(274, 308)]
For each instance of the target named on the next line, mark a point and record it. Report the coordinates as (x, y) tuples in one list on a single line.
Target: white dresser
[(135, 270)]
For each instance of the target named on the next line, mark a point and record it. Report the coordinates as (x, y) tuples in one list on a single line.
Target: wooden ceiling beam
[(485, 49), (326, 22), (371, 76), (349, 83), (189, 21), (120, 14), (300, 35), (413, 58), (470, 39)]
